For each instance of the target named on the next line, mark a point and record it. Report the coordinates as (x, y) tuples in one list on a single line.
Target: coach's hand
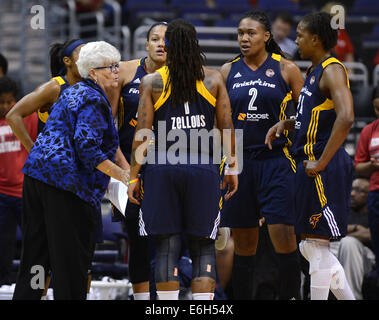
[(312, 167), (134, 192), (232, 182)]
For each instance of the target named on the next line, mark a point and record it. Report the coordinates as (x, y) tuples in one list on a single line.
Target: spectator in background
[(12, 158), (281, 29), (353, 251), (367, 164), (89, 5), (344, 50), (3, 66)]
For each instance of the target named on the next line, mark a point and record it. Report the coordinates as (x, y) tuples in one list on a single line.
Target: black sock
[(242, 277), (289, 275)]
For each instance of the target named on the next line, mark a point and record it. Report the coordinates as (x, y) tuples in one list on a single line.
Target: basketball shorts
[(265, 188), (180, 198), (323, 203)]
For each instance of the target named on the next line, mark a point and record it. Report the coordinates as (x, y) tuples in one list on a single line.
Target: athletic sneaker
[(222, 238)]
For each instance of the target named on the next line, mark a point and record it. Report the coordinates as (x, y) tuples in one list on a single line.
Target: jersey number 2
[(254, 93)]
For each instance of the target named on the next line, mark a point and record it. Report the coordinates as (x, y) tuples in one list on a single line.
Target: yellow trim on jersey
[(43, 116), (222, 164), (282, 115), (276, 57), (334, 60), (60, 80), (312, 129), (121, 113), (288, 156), (200, 87), (164, 96), (139, 62), (320, 191), (236, 59), (326, 105)]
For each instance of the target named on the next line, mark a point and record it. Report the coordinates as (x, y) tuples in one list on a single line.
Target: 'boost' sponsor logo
[(253, 116)]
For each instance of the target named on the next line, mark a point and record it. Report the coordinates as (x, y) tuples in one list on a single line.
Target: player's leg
[(202, 253), (325, 270), (167, 251), (284, 242), (240, 213)]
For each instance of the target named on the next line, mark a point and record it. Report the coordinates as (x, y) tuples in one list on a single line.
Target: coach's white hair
[(96, 54)]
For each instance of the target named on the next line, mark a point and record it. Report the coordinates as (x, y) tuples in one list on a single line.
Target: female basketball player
[(183, 197), (261, 84), (130, 77), (63, 68), (323, 168)]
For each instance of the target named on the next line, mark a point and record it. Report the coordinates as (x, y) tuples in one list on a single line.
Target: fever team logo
[(313, 220)]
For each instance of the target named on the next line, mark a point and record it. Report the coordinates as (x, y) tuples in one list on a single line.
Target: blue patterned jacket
[(79, 134)]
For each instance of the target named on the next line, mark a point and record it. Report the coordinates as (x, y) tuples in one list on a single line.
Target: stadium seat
[(375, 31), (180, 4), (143, 4), (277, 5), (228, 6), (366, 7), (364, 4), (226, 23)]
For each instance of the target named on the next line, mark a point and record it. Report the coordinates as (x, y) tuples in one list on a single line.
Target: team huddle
[(282, 159)]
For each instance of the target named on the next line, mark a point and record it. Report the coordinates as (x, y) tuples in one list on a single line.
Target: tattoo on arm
[(157, 85)]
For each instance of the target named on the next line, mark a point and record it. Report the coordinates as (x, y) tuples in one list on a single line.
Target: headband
[(70, 48)]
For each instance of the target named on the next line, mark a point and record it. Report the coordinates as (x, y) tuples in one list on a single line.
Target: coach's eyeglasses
[(112, 67)]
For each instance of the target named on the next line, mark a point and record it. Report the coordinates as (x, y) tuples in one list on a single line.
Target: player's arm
[(126, 73), (293, 76), (225, 125), (225, 70), (148, 85), (333, 83), (42, 98)]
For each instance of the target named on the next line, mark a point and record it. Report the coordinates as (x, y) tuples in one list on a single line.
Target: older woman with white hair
[(66, 175)]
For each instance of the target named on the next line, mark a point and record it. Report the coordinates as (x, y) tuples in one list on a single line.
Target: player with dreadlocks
[(182, 195)]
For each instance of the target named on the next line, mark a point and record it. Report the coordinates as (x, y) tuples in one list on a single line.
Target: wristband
[(132, 181), (229, 172)]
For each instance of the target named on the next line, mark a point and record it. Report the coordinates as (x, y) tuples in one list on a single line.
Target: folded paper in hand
[(117, 193)]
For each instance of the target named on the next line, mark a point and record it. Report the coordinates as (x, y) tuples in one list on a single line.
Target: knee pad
[(317, 252), (166, 257), (202, 252)]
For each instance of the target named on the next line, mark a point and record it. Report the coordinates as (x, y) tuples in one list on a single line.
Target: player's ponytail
[(57, 52)]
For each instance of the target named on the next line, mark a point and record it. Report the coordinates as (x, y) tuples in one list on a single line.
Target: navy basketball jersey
[(258, 99), (315, 115), (43, 116), (186, 121), (128, 107)]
